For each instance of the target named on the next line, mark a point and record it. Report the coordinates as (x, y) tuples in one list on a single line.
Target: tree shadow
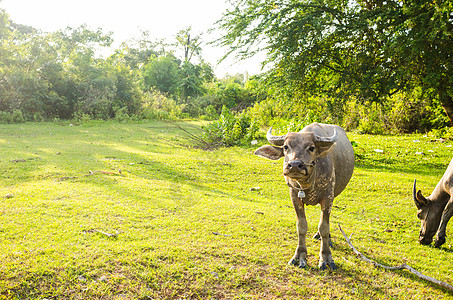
[(394, 165)]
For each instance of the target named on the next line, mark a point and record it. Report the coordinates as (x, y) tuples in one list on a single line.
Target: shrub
[(210, 113), (401, 113), (16, 116), (230, 129), (80, 117), (229, 92), (5, 117), (158, 106), (372, 122), (121, 115), (366, 118), (38, 117), (412, 112), (442, 133)]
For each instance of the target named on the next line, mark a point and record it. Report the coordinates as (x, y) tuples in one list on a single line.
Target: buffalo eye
[(311, 149)]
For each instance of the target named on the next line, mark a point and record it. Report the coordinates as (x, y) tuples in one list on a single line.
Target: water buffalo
[(436, 210), (319, 161)]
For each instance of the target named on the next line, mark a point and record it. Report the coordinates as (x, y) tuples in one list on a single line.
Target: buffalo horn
[(419, 199), (330, 139), (276, 140), (414, 192)]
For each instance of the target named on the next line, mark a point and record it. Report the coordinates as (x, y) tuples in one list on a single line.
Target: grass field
[(132, 211)]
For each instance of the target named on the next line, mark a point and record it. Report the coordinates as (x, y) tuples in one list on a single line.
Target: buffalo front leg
[(325, 255), (300, 257), (446, 215)]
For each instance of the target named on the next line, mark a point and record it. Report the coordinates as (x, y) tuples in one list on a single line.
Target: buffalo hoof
[(302, 263), (323, 265), (439, 242)]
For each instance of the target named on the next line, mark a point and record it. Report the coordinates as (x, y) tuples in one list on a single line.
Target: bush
[(412, 112), (230, 129), (228, 92), (122, 116), (5, 117), (158, 106), (80, 118), (210, 113), (16, 116), (365, 118), (38, 117), (442, 133), (372, 122), (401, 113)]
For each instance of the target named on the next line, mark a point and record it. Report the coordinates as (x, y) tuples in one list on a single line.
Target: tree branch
[(102, 232), (191, 135), (402, 266)]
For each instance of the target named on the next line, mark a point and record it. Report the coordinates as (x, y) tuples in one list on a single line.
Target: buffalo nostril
[(295, 164)]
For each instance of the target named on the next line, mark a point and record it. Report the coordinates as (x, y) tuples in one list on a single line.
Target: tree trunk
[(447, 102), (187, 48)]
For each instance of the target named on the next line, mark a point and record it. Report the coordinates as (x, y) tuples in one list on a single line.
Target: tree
[(25, 56), (161, 73), (81, 40), (137, 52), (348, 48), (190, 44), (86, 83), (191, 80)]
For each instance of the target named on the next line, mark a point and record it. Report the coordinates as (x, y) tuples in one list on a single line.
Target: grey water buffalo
[(436, 210), (319, 161)]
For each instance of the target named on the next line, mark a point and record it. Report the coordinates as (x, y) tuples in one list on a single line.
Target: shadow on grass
[(195, 177), (409, 166)]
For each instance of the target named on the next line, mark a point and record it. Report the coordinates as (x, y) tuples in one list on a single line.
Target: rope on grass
[(400, 267)]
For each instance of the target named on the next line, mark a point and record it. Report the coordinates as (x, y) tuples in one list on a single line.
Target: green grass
[(187, 224)]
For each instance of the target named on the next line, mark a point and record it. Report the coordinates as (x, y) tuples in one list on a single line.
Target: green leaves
[(190, 44), (362, 49), (161, 73), (229, 130)]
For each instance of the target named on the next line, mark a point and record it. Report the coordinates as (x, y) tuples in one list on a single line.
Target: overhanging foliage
[(365, 49)]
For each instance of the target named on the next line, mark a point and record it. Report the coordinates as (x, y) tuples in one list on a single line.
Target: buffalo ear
[(323, 146), (324, 143), (270, 152), (419, 199)]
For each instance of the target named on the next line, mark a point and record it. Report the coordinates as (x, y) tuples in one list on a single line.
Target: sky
[(127, 19)]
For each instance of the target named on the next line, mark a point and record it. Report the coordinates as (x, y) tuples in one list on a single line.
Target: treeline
[(60, 75)]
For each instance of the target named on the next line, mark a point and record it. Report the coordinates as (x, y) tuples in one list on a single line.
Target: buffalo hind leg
[(300, 257)]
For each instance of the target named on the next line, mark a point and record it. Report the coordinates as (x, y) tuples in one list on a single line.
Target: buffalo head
[(429, 213), (300, 151)]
